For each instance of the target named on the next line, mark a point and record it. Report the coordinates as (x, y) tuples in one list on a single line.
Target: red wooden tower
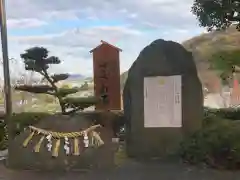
[(107, 75)]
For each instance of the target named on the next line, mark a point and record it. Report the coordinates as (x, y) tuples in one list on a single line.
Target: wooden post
[(7, 85), (107, 75)]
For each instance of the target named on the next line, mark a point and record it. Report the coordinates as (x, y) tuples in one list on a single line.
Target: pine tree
[(36, 59)]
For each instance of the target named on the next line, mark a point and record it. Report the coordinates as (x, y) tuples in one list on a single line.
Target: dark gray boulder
[(161, 58)]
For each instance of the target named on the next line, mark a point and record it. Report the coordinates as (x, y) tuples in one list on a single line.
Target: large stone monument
[(163, 100)]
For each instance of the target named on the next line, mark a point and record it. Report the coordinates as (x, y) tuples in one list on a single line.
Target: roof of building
[(104, 42)]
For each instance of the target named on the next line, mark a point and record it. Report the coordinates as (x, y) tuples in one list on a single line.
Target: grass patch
[(120, 156)]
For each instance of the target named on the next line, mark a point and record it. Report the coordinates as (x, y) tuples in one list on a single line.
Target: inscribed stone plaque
[(162, 101)]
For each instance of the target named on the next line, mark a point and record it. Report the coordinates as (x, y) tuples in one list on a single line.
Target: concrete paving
[(129, 171)]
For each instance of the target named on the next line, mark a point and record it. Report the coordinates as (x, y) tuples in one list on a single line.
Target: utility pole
[(6, 72)]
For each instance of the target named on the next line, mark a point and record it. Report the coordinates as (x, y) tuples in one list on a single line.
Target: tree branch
[(73, 111), (45, 74), (52, 94), (41, 73)]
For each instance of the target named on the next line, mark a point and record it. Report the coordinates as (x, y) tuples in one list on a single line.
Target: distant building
[(225, 97)]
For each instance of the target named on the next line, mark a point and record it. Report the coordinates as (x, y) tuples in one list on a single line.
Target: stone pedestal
[(91, 158)]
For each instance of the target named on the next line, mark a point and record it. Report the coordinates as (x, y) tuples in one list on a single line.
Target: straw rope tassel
[(38, 145), (98, 138), (92, 139), (76, 147), (56, 148), (26, 141)]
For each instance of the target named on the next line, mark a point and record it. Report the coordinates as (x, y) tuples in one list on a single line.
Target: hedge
[(21, 121), (224, 113), (216, 144)]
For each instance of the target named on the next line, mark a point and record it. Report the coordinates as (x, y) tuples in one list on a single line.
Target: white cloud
[(73, 46), (143, 22), (167, 12), (25, 23), (84, 37)]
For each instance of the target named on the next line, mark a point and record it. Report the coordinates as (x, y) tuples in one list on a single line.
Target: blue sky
[(70, 29)]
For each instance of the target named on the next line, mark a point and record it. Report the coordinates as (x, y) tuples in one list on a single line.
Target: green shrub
[(25, 119), (225, 113), (21, 121), (50, 99), (216, 145), (2, 135), (1, 99)]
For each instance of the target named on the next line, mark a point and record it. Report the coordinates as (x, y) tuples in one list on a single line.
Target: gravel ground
[(129, 171)]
